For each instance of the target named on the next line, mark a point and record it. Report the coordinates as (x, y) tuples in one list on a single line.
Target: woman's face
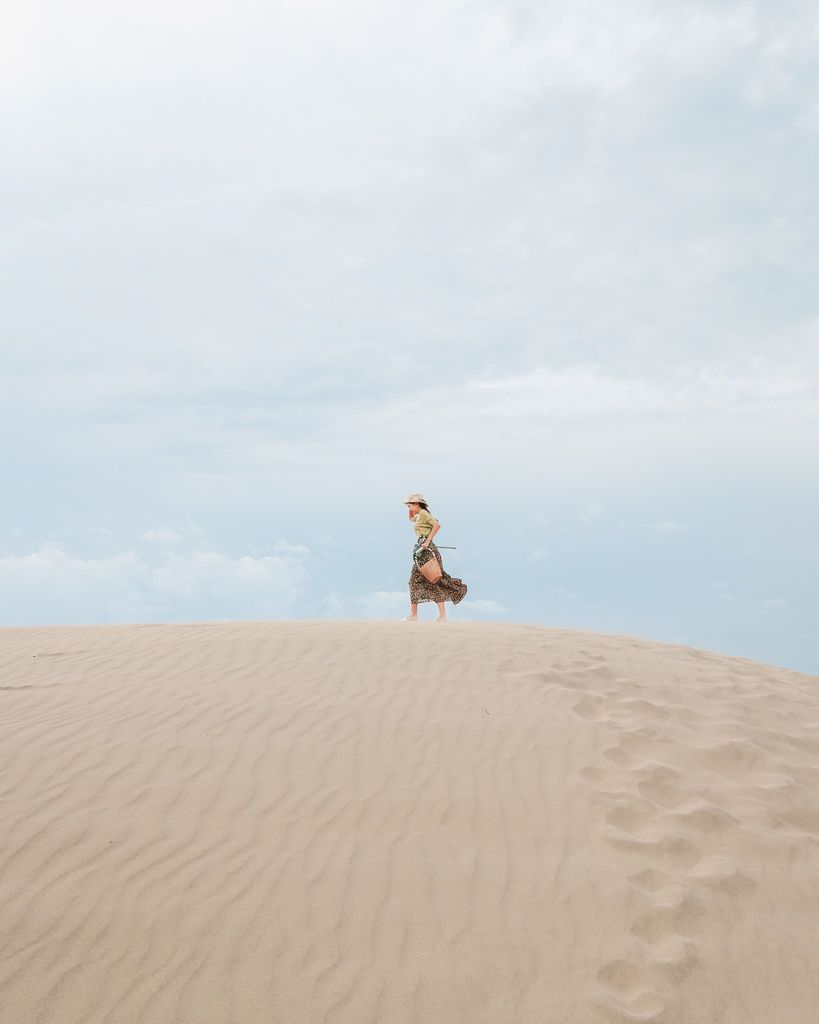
[(414, 508)]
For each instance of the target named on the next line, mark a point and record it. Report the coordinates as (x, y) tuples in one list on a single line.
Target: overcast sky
[(267, 267)]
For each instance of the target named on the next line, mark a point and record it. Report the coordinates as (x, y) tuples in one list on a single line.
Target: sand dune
[(307, 822)]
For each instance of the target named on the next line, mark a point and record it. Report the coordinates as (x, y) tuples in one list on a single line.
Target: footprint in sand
[(675, 958), (659, 785), (706, 819), (674, 851), (657, 924), (632, 817), (626, 990), (657, 883), (719, 872), (590, 707), (619, 756)]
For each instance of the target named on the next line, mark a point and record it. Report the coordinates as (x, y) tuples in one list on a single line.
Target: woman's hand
[(425, 545)]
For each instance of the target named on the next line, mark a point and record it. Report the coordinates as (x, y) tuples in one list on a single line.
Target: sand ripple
[(374, 822)]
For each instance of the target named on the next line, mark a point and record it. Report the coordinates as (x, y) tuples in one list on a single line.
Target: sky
[(267, 267)]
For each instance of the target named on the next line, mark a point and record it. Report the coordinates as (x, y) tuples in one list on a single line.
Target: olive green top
[(423, 524)]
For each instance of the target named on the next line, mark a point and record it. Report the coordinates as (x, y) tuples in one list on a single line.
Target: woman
[(447, 588)]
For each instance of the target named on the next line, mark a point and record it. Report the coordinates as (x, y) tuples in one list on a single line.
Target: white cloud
[(52, 586), (590, 512), (163, 535), (394, 604), (285, 549), (238, 587), (591, 392), (377, 604), (478, 608), (381, 604)]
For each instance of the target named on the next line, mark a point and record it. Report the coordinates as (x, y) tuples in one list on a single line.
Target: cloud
[(161, 535), (594, 392), (567, 212), (204, 581), (590, 182), (376, 604), (478, 609), (51, 586), (394, 604), (590, 512)]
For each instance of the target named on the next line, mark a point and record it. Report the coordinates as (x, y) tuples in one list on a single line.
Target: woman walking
[(447, 588)]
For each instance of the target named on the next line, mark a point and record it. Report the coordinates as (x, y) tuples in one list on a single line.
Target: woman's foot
[(410, 618), (441, 618)]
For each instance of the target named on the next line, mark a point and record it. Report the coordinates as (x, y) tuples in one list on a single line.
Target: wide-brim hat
[(415, 499)]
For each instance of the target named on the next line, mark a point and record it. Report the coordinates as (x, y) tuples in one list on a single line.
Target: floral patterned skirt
[(448, 588)]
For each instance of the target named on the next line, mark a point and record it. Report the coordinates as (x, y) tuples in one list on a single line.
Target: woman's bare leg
[(441, 611), (413, 611)]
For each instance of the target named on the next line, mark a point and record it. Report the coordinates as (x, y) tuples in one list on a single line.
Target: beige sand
[(306, 822)]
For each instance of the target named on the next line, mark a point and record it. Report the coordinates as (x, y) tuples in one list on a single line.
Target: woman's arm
[(432, 533)]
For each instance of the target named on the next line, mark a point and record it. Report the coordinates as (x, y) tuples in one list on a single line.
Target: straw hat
[(415, 499)]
